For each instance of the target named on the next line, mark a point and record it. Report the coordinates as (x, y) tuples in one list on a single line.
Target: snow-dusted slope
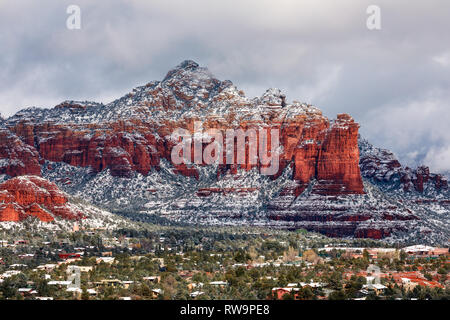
[(96, 218), (248, 198)]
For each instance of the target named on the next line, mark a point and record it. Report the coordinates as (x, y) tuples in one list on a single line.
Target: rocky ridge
[(25, 196), (111, 153)]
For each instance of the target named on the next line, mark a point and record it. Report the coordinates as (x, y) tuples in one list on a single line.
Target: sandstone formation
[(138, 141), (17, 157), (25, 196), (318, 185)]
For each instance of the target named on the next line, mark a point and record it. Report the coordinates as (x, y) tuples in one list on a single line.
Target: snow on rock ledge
[(25, 196)]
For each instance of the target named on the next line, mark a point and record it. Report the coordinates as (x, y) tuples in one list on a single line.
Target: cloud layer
[(395, 81)]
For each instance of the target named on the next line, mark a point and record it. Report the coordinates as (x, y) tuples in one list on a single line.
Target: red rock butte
[(318, 186), (133, 133), (26, 196)]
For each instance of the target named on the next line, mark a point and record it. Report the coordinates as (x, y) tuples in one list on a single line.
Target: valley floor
[(151, 261)]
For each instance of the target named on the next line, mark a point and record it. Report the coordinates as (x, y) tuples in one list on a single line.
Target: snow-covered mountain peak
[(188, 65), (189, 73), (273, 97)]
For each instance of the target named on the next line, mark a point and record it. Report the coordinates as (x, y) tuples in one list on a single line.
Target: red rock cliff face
[(25, 196), (17, 157), (316, 150), (113, 146), (338, 162)]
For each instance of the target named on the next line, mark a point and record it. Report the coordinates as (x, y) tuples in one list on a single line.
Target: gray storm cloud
[(394, 81)]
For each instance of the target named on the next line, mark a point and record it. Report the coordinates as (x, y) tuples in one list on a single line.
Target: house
[(409, 283), (440, 252), (19, 242), (185, 274), (26, 292), (237, 265), (192, 286), (126, 284), (410, 279), (154, 279), (269, 278), (47, 267), (419, 251), (10, 273), (26, 256), (313, 285), (109, 283), (85, 268), (108, 260), (156, 293), (69, 261), (378, 288), (260, 265), (195, 294), (278, 293), (91, 292), (65, 256), (218, 283)]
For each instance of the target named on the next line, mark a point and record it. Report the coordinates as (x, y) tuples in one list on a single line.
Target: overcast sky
[(395, 81)]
